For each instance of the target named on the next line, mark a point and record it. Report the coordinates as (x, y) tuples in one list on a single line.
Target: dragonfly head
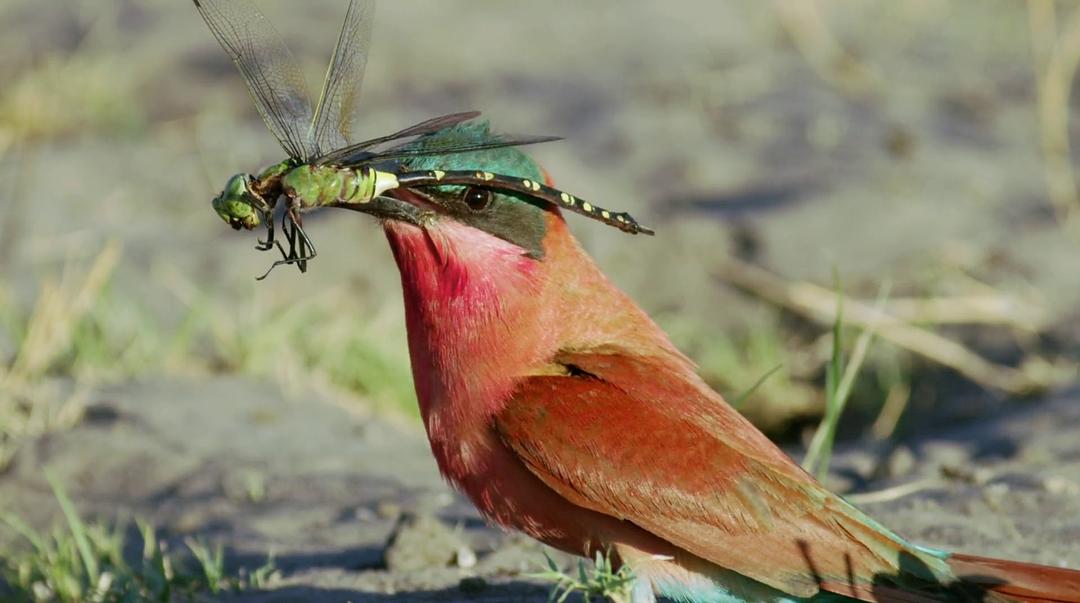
[(238, 205)]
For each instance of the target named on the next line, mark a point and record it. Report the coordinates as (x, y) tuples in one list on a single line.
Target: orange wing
[(643, 439)]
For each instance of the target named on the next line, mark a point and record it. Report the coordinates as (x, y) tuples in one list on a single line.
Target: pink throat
[(474, 319)]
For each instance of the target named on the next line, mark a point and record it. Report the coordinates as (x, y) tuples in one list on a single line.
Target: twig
[(819, 304), (58, 312), (822, 51), (893, 493), (990, 308), (1056, 61), (968, 309), (892, 409)]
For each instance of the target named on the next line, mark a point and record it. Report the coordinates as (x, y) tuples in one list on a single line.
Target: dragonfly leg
[(305, 246), (288, 257), (296, 237), (297, 219), (269, 242)]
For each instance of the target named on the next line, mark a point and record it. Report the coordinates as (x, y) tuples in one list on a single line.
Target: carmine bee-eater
[(562, 410), (549, 397)]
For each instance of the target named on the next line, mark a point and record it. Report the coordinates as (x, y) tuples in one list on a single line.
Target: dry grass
[(90, 87), (1057, 56), (67, 94), (31, 402), (810, 33), (80, 333), (312, 342), (817, 303)]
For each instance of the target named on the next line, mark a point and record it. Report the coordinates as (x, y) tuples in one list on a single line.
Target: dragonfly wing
[(425, 127), (405, 152), (270, 71), (336, 111)]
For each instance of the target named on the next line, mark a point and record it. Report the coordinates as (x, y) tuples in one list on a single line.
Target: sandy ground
[(336, 486), (700, 117)]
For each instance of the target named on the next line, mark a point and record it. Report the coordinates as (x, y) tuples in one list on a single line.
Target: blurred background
[(912, 157)]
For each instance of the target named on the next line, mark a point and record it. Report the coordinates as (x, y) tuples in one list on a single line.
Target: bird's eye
[(477, 198)]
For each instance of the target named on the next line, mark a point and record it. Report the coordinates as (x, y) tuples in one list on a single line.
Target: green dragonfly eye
[(236, 205)]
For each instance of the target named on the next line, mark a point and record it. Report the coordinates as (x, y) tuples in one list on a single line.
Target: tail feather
[(1021, 582)]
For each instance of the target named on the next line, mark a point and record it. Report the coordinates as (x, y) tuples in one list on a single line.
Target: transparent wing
[(341, 155), (398, 153), (336, 111), (271, 73)]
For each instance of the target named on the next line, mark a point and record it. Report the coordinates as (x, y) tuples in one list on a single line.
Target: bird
[(562, 410)]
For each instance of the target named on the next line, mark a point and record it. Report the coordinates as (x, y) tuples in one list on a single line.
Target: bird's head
[(485, 273), (471, 255), (498, 217), (494, 282)]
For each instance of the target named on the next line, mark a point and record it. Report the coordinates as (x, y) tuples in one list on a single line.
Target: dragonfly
[(324, 166)]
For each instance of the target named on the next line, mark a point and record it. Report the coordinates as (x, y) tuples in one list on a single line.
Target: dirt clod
[(422, 541)]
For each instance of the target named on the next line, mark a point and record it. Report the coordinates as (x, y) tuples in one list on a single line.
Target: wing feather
[(670, 456)]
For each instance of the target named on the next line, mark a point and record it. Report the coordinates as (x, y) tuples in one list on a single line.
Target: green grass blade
[(211, 562), (812, 462), (839, 382), (22, 529), (737, 403), (78, 529)]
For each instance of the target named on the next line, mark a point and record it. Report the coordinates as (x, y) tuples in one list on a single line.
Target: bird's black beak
[(415, 210)]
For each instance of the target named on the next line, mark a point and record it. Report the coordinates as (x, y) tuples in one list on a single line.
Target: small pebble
[(1059, 485), (995, 494), (465, 557), (364, 514), (901, 462)]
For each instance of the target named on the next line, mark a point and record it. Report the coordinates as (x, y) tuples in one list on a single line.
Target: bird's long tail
[(1016, 581)]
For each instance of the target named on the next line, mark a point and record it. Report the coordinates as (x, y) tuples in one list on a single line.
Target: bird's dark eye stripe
[(621, 220)]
